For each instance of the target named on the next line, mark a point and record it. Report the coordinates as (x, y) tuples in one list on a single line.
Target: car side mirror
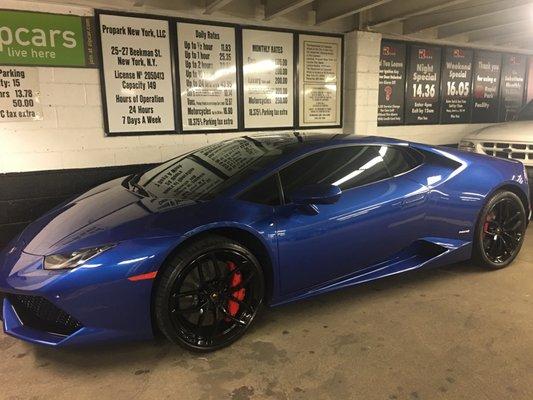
[(316, 194)]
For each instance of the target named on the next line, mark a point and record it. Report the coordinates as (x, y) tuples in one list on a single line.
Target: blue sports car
[(193, 247)]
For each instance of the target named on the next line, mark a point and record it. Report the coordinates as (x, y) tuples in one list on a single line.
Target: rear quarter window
[(400, 160)]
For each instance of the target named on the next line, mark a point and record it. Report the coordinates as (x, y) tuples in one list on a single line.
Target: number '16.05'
[(461, 89)]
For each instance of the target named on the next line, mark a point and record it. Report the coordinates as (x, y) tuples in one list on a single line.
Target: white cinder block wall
[(71, 134), (362, 80)]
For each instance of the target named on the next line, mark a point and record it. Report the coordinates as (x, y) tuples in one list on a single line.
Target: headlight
[(467, 146), (74, 259)]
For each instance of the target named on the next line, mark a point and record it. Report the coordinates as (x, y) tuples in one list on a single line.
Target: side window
[(400, 160), (346, 167), (265, 192)]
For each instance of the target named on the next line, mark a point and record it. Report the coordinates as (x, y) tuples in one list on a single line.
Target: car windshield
[(204, 173), (526, 113)]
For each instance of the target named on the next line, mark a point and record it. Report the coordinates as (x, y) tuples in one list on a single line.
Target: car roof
[(317, 139), (296, 144)]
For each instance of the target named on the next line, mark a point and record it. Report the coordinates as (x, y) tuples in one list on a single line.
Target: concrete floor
[(451, 333)]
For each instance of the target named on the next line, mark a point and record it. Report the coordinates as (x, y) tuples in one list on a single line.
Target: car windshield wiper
[(139, 189), (131, 183)]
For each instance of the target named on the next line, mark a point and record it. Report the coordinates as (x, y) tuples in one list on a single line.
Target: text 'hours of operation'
[(137, 73)]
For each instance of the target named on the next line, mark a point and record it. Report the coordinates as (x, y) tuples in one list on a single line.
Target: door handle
[(414, 200)]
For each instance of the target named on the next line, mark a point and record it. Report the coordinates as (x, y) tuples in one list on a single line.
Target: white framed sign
[(268, 79), (208, 77), (320, 80), (19, 94), (137, 74)]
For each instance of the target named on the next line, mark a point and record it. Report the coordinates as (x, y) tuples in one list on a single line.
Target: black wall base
[(26, 196)]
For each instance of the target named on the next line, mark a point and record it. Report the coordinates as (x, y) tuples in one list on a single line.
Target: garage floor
[(452, 333)]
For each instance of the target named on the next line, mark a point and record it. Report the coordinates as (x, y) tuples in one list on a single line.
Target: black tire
[(222, 285), (500, 231)]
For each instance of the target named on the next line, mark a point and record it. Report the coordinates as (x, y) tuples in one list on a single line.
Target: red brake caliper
[(236, 280), (490, 218)]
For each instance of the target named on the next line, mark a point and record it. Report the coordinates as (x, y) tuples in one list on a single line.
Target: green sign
[(30, 38)]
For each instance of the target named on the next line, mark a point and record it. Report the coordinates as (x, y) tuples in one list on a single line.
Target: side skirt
[(424, 253)]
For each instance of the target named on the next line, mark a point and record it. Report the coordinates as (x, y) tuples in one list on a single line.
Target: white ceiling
[(478, 22)]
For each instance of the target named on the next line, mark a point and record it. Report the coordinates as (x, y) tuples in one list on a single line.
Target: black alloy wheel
[(209, 294), (500, 232)]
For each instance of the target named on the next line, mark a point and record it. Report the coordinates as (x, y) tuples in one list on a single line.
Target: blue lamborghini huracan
[(195, 246)]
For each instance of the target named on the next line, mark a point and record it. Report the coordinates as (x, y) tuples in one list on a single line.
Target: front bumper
[(18, 323), (90, 304)]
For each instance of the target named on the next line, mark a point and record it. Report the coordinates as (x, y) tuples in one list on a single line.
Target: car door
[(377, 215)]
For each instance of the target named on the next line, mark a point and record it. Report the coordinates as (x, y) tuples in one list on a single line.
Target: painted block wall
[(362, 77), (71, 134)]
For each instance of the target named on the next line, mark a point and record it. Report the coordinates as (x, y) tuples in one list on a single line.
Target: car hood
[(514, 131), (106, 214)]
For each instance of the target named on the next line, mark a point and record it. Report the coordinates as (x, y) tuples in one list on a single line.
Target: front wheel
[(209, 294), (500, 231)]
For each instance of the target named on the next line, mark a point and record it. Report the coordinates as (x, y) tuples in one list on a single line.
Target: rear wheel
[(500, 231), (209, 294)]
